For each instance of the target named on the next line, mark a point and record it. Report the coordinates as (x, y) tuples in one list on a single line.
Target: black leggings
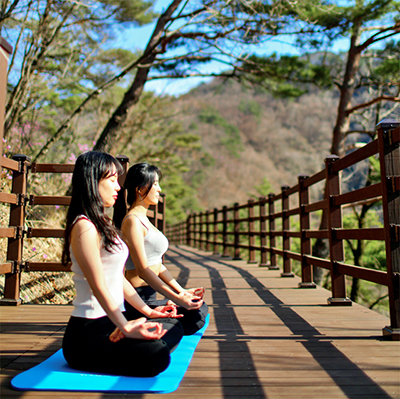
[(192, 320), (86, 346)]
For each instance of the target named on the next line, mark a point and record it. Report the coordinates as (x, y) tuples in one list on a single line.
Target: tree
[(315, 26), (59, 56), (198, 32)]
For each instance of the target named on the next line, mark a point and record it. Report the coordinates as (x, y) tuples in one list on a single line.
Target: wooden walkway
[(266, 339)]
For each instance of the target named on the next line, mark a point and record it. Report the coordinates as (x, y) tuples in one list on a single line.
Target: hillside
[(248, 136)]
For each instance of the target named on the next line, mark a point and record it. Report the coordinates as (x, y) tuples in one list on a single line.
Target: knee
[(158, 361)]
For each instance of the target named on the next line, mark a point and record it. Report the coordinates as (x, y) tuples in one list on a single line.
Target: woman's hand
[(197, 292), (189, 301), (165, 311), (139, 329)]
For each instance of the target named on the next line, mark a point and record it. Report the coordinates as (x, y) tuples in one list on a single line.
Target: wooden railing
[(19, 200), (249, 227)]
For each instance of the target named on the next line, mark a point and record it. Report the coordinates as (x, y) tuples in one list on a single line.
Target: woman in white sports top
[(147, 245), (101, 336)]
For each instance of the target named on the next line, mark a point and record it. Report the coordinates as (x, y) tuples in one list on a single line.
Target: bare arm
[(85, 244), (134, 234)]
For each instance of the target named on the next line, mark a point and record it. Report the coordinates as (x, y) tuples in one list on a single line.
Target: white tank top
[(85, 303), (155, 246)]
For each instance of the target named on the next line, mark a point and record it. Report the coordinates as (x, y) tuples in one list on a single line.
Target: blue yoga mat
[(54, 374)]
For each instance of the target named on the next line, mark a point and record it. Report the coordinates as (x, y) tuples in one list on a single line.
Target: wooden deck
[(266, 339)]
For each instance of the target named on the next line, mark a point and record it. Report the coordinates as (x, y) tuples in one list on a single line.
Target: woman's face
[(108, 188), (154, 193)]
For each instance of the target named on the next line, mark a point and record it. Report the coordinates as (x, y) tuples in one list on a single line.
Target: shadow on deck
[(266, 339)]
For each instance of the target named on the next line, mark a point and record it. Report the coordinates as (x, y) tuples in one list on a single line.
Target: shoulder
[(83, 227), (132, 220)]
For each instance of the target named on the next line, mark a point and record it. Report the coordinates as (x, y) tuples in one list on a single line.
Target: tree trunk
[(347, 90), (132, 96)]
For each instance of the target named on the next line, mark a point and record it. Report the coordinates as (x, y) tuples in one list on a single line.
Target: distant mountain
[(247, 136)]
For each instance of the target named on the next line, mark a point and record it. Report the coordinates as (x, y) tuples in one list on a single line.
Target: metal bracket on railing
[(25, 266), (395, 232), (332, 202), (391, 184), (18, 232), (22, 199), (16, 266), (33, 167)]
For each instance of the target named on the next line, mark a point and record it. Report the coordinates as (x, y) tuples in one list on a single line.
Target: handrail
[(232, 230), (20, 201)]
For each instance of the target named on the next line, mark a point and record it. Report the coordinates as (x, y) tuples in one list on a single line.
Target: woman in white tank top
[(147, 245), (100, 335)]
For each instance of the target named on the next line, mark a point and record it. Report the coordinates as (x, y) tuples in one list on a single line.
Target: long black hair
[(90, 168), (140, 176)]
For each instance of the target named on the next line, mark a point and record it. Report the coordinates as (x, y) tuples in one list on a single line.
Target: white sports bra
[(155, 246)]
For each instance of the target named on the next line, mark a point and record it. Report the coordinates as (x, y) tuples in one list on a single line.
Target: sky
[(137, 38)]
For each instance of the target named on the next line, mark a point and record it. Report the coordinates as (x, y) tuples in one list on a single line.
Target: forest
[(263, 118)]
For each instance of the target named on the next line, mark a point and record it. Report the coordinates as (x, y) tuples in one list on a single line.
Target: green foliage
[(231, 141), (181, 199), (264, 188), (286, 76), (251, 107), (373, 252)]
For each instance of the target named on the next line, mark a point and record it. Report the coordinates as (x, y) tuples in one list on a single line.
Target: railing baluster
[(250, 224), (389, 157), (287, 262), (336, 251), (272, 238), (236, 229), (305, 242), (225, 252), (215, 223), (263, 233), (15, 244)]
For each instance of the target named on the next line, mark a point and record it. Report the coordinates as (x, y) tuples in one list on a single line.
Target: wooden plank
[(266, 339), (5, 268), (7, 232), (360, 234), (36, 232), (52, 168), (49, 200), (358, 195), (8, 198), (356, 156), (9, 163), (48, 267)]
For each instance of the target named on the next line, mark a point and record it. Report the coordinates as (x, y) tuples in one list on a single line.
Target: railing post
[(236, 224), (215, 223), (15, 244), (287, 262), (335, 245), (252, 252), (389, 158), (208, 244), (225, 253), (272, 238), (203, 229), (5, 51), (263, 233), (305, 242), (188, 232), (120, 206), (195, 231), (200, 229), (160, 210)]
